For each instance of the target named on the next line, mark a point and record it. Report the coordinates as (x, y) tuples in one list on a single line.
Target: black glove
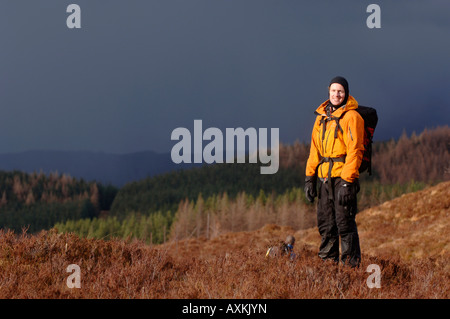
[(310, 188), (347, 192)]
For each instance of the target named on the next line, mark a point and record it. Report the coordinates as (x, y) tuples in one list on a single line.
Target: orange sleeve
[(353, 126), (314, 155)]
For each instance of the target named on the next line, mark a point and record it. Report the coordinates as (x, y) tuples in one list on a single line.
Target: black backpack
[(370, 118)]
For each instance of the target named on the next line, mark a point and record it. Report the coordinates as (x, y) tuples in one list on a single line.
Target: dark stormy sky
[(138, 69)]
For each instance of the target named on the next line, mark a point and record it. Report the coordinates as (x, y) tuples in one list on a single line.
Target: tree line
[(419, 158), (219, 213), (164, 192), (159, 207), (37, 201)]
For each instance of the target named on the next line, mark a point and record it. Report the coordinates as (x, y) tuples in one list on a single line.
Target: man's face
[(337, 94)]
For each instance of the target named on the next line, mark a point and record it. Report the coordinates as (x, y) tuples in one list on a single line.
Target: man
[(335, 156)]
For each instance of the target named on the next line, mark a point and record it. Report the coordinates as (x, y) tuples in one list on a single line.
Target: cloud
[(135, 71)]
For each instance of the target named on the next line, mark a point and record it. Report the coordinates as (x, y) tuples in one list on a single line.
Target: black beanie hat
[(342, 81)]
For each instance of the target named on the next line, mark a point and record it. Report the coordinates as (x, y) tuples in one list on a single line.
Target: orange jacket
[(349, 142)]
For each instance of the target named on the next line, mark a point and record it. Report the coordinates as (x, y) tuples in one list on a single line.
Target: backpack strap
[(331, 161), (329, 117), (338, 126)]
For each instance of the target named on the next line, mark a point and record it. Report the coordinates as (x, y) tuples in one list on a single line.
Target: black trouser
[(335, 220)]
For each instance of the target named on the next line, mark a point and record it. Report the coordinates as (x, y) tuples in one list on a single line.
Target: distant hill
[(37, 201), (114, 169), (420, 158), (423, 157)]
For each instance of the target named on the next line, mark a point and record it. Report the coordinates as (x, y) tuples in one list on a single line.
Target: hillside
[(232, 265), (419, 158), (182, 202), (415, 225), (37, 201)]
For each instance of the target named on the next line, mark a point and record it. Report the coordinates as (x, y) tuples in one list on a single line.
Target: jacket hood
[(351, 104)]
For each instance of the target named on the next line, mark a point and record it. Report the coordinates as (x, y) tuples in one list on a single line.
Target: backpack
[(370, 118), (282, 249)]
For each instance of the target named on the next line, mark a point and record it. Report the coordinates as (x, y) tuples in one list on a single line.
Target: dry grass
[(233, 265)]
